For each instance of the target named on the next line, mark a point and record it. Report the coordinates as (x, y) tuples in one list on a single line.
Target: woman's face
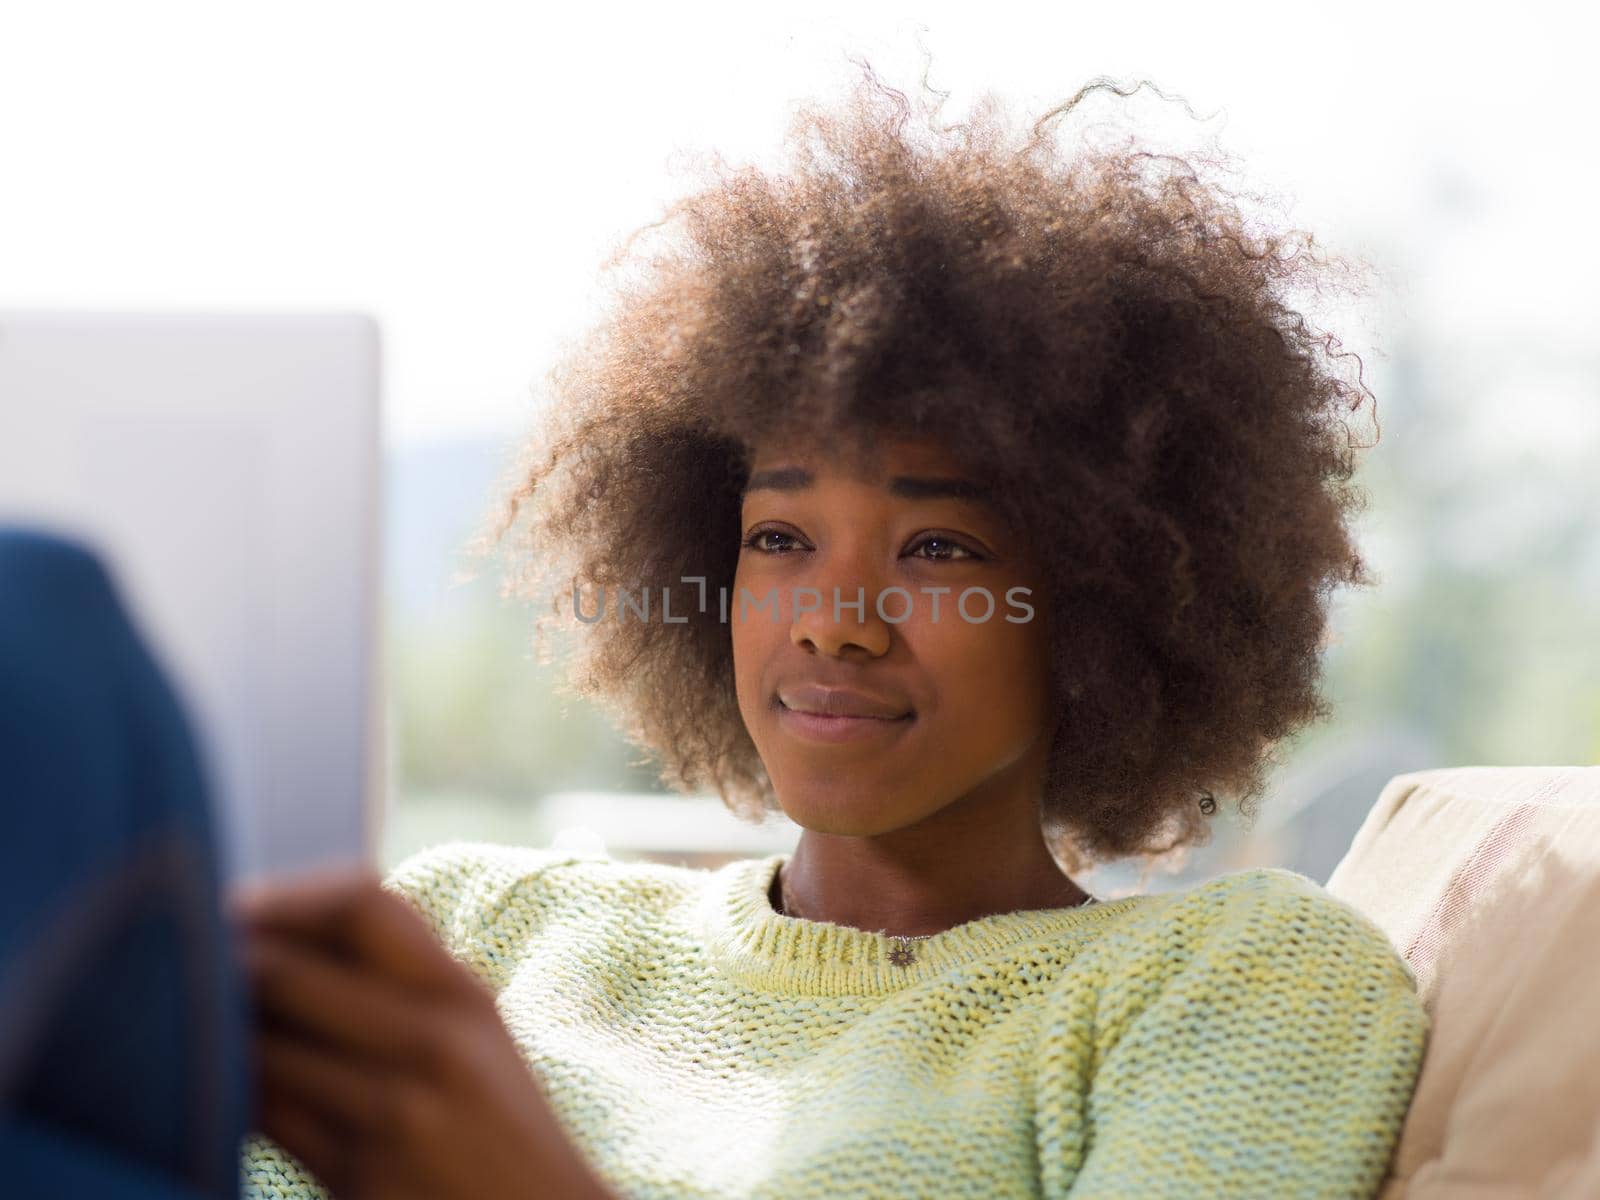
[(957, 693)]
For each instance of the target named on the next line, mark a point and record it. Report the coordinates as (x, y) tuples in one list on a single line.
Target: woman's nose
[(829, 616)]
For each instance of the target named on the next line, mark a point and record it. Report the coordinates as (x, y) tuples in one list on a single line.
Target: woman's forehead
[(910, 469), (867, 458)]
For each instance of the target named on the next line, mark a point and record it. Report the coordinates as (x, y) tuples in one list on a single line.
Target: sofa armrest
[(1487, 881)]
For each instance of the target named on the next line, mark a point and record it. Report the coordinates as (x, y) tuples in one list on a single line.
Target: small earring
[(1207, 804)]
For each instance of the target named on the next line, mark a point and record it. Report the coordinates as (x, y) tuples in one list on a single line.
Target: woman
[(974, 507)]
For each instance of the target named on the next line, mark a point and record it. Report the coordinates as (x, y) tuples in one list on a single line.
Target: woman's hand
[(382, 1062)]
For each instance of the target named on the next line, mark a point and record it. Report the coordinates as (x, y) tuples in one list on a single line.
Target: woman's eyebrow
[(910, 487)]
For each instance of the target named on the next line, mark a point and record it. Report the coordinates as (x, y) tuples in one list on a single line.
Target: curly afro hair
[(1105, 336)]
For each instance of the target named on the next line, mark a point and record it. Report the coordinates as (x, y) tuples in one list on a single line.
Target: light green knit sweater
[(1252, 1036)]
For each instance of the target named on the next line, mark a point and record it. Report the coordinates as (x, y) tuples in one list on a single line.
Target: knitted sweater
[(1251, 1036)]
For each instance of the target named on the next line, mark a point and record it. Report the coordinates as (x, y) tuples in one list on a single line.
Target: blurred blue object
[(124, 1057)]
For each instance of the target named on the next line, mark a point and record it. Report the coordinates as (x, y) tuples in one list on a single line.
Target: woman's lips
[(818, 728)]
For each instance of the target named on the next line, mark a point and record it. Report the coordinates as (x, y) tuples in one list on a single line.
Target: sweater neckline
[(763, 949)]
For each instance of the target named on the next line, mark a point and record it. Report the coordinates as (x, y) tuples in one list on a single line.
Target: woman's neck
[(865, 884)]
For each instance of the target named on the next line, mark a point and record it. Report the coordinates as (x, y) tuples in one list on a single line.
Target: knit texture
[(1251, 1036)]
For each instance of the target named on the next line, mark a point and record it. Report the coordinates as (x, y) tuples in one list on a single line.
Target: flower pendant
[(902, 954)]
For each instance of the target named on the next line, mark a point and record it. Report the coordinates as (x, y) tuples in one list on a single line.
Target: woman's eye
[(950, 549), (943, 549), (753, 542)]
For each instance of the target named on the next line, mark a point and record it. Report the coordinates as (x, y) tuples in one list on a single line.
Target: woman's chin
[(842, 814)]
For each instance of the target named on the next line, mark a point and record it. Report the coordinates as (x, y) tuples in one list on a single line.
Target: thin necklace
[(902, 953)]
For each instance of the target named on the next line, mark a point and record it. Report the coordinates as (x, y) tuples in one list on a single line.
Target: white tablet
[(225, 466)]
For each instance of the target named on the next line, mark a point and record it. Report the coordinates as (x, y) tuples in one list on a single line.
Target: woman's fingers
[(305, 1126), (333, 1152), (304, 900), (340, 1002), (349, 909), (303, 1083)]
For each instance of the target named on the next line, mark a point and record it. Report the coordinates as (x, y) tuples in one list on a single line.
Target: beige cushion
[(1487, 881)]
